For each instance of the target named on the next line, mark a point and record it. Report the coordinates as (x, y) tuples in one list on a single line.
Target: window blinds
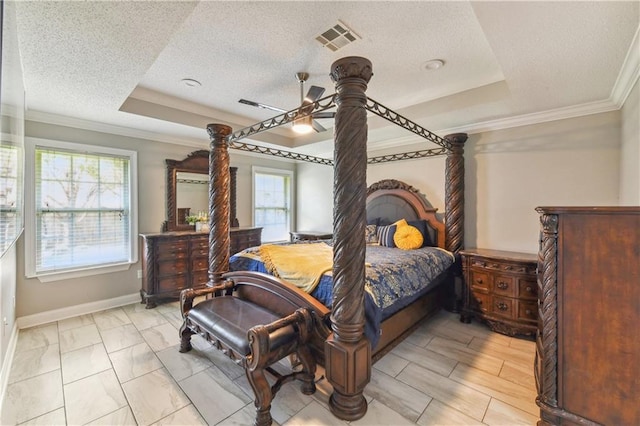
[(82, 210)]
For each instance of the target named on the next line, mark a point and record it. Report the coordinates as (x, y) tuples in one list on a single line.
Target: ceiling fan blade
[(259, 105), (317, 126), (313, 94), (324, 115)]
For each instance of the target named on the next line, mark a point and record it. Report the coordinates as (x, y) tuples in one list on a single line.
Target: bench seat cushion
[(229, 318)]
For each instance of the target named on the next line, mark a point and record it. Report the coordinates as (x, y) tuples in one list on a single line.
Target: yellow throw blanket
[(300, 264)]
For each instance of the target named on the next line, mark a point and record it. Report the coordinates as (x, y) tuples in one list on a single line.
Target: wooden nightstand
[(500, 288), (309, 236)]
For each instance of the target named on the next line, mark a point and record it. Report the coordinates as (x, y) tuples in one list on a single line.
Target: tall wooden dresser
[(588, 343), (173, 261)]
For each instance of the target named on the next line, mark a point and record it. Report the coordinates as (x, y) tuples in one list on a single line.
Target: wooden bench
[(235, 321)]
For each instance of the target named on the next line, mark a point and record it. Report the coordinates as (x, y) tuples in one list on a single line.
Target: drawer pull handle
[(479, 301), (508, 268), (502, 285), (479, 280), (529, 289), (528, 312), (503, 306)]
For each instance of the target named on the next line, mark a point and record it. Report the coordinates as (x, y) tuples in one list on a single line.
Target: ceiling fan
[(303, 124)]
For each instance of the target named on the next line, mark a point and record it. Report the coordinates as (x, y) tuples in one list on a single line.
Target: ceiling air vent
[(337, 37)]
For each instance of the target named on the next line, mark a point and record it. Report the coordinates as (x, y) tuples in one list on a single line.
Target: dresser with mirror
[(178, 257)]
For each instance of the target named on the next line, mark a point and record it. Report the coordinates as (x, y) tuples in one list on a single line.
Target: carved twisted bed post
[(219, 202), (219, 240), (454, 210), (347, 351)]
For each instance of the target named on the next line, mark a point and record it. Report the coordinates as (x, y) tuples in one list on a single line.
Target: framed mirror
[(188, 191)]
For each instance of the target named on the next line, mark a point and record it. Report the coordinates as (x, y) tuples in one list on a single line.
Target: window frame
[(30, 209), (277, 172)]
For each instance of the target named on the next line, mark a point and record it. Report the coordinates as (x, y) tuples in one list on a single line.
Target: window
[(82, 209), (10, 194), (272, 202)]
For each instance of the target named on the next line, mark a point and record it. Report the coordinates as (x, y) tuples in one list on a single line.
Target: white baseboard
[(72, 311), (6, 365)]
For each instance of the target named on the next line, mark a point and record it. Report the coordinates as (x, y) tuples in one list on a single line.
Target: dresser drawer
[(200, 264), (172, 267), (503, 306), (200, 245), (245, 238), (528, 289), (172, 284), (199, 279), (480, 280), (504, 286), (172, 249)]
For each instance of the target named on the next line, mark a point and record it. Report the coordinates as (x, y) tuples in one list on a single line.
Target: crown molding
[(564, 113), (79, 123), (94, 126), (629, 73)]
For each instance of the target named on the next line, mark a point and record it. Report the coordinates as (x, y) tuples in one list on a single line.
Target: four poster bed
[(258, 319)]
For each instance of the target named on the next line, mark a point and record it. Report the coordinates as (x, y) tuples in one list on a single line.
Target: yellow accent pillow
[(408, 237)]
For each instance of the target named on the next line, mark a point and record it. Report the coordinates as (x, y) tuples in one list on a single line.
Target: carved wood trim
[(233, 191), (454, 192), (219, 203), (196, 162), (390, 184), (351, 75), (547, 309)]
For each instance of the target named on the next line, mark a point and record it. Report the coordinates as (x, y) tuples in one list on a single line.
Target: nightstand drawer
[(480, 280), (504, 286), (528, 311), (503, 306), (528, 289), (481, 301)]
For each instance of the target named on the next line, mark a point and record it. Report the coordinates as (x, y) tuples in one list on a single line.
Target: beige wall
[(508, 174), (630, 152), (511, 172), (35, 297)]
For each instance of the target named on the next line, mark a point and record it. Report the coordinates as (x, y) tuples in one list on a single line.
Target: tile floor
[(122, 367)]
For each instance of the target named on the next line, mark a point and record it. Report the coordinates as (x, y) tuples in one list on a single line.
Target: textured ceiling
[(121, 63)]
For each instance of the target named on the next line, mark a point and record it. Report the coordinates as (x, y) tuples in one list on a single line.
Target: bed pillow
[(423, 226), (371, 235), (408, 237), (385, 235), (373, 221)]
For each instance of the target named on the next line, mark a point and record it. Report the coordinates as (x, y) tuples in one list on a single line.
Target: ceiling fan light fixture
[(302, 125)]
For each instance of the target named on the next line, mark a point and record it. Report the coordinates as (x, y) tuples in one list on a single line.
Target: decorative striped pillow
[(385, 235)]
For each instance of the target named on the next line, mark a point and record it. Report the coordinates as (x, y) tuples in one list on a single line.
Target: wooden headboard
[(392, 200)]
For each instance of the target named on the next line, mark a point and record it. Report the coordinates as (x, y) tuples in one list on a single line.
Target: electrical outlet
[(139, 273)]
